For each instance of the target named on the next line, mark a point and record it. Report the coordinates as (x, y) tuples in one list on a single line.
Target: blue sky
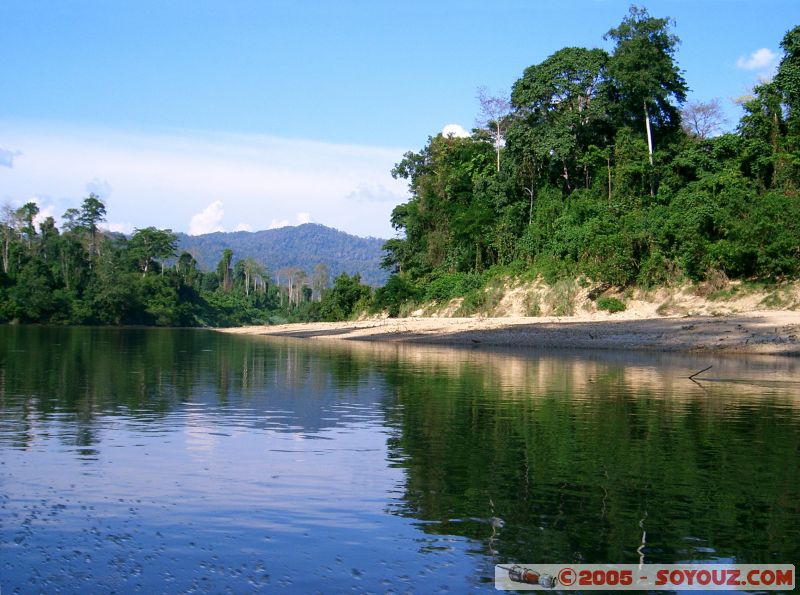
[(244, 115)]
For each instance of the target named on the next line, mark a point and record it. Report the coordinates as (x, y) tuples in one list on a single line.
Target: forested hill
[(303, 247)]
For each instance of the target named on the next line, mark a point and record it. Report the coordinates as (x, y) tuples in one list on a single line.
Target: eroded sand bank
[(771, 332)]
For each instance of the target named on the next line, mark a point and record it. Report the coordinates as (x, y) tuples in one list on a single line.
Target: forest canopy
[(80, 274), (599, 167)]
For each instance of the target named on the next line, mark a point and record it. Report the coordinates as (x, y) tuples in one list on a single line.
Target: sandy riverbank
[(770, 332)]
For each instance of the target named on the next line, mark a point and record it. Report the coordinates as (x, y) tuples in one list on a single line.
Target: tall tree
[(644, 71), (560, 110), (294, 280), (762, 128), (92, 213), (224, 269), (27, 213), (71, 220), (493, 116), (299, 282), (787, 79), (446, 220), (186, 267), (149, 244), (49, 235)]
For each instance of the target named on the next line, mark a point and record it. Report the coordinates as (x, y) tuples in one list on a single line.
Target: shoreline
[(773, 332)]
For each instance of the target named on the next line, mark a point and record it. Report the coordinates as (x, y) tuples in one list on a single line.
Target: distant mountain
[(303, 246)]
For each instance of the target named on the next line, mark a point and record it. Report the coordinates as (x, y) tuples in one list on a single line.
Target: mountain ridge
[(301, 246)]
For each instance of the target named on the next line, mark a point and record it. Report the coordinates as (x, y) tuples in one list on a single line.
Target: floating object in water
[(528, 576)]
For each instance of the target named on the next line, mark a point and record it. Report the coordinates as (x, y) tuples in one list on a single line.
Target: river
[(176, 461)]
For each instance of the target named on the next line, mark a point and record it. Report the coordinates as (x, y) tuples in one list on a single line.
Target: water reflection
[(187, 460)]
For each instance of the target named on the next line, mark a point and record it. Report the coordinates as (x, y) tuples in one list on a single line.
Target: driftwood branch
[(700, 372)]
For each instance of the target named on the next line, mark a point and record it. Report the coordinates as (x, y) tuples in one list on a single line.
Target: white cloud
[(125, 228), (7, 157), (278, 223), (300, 219), (376, 192), (208, 220), (243, 227), (45, 211), (764, 60), (454, 130)]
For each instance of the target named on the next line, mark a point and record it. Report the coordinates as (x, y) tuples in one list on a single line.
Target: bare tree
[(253, 270), (9, 229), (319, 282), (278, 274), (260, 282), (300, 280), (295, 279), (529, 172), (291, 282), (703, 119), (494, 110)]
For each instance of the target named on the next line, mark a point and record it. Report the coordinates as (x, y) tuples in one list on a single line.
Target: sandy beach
[(762, 332)]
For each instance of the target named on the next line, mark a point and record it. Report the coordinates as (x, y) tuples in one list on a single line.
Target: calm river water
[(190, 461)]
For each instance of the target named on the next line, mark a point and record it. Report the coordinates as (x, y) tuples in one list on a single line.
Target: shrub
[(532, 305), (610, 304), (342, 300), (562, 298), (391, 297), (552, 268), (450, 285), (480, 300)]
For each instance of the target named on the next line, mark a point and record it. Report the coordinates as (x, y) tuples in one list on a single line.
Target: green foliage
[(391, 297), (788, 77), (553, 269), (31, 298), (70, 277), (610, 304), (657, 270), (480, 300), (643, 70), (227, 308), (151, 244), (561, 110), (347, 297), (450, 285), (456, 197)]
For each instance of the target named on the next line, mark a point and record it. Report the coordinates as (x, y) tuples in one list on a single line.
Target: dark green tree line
[(81, 274)]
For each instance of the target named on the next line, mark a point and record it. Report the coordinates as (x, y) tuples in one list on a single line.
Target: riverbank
[(764, 332)]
